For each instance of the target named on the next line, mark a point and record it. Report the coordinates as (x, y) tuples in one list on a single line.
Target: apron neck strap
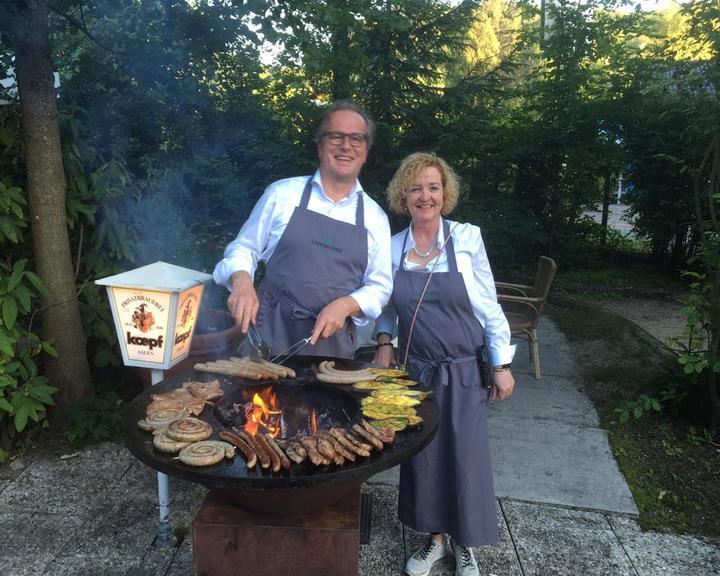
[(359, 210), (449, 248), (306, 193)]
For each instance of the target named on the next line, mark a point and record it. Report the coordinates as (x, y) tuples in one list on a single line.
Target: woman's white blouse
[(474, 266)]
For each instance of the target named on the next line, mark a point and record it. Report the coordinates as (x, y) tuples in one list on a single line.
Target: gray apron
[(317, 260), (448, 487)]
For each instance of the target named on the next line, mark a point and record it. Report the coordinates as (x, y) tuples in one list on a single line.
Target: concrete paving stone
[(182, 562), (126, 528), (140, 482), (653, 553), (556, 358), (114, 565), (28, 542), (553, 398), (384, 554), (72, 486), (566, 465), (564, 542)]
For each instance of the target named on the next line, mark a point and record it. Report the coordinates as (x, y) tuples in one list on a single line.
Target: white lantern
[(155, 308)]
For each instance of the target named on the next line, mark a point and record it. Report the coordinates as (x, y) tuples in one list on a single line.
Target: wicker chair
[(523, 306)]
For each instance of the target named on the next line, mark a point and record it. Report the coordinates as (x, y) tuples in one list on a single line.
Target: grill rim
[(233, 474)]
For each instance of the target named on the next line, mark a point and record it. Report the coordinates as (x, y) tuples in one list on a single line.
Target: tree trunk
[(605, 212), (61, 324)]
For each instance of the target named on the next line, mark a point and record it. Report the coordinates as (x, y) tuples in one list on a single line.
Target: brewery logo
[(186, 313), (142, 319)]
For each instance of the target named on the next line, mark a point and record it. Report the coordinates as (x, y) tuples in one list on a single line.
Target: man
[(326, 245)]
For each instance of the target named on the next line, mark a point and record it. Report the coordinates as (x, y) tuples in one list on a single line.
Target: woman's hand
[(503, 385), (384, 356)]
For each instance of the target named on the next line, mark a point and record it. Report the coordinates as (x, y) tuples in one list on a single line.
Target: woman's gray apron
[(317, 260), (448, 487)]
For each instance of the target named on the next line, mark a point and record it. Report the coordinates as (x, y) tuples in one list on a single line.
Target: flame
[(263, 414), (313, 421)]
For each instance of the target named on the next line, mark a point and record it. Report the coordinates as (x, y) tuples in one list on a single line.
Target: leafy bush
[(95, 419), (24, 393)]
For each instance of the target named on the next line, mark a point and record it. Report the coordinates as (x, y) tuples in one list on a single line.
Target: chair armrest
[(520, 299), (502, 287), (511, 285), (527, 309)]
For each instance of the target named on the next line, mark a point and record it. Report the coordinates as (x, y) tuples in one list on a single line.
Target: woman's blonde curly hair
[(408, 173)]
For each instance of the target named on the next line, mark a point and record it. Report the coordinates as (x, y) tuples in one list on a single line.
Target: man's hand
[(503, 385), (243, 302), (332, 318)]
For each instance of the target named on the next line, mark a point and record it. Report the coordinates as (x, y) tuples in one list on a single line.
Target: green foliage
[(24, 393), (97, 418)]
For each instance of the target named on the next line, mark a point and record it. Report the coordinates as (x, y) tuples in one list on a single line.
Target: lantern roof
[(159, 276)]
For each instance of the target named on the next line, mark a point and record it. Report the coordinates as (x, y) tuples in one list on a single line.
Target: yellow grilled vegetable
[(367, 386), (392, 380), (387, 399), (390, 372), (419, 394), (397, 423), (387, 410), (414, 421)]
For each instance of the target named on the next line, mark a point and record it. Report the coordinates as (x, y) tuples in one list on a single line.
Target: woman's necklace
[(432, 247)]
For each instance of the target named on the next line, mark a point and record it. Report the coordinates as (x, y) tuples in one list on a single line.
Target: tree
[(61, 323)]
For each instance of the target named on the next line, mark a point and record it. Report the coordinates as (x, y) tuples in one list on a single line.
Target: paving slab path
[(563, 506)]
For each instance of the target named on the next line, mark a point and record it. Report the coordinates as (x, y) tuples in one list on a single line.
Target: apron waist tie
[(430, 365)]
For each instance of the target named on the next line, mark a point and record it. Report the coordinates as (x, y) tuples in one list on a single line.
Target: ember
[(262, 413)]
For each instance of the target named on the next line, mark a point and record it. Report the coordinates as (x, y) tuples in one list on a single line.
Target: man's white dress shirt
[(260, 234)]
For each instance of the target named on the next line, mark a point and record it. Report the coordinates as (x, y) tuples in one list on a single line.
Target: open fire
[(263, 414)]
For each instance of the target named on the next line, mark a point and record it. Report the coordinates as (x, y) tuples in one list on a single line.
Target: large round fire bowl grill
[(304, 485)]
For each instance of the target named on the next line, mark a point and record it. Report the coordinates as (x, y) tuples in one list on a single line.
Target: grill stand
[(163, 538), (229, 540)]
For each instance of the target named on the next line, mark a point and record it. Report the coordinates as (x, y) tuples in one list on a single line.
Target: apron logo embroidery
[(430, 297), (327, 242)]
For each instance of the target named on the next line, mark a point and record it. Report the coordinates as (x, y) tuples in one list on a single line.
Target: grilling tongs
[(291, 351), (258, 349)]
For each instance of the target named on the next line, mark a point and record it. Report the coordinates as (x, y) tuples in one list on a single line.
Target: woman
[(448, 487)]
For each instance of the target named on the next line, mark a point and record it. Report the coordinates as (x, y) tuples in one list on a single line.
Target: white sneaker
[(465, 564), (420, 563)]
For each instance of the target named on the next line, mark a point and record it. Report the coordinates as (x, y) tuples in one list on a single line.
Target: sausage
[(386, 435), (374, 440), (299, 449), (339, 448), (284, 462), (228, 370), (274, 458), (262, 456), (335, 378), (235, 440), (311, 445), (294, 455), (326, 449), (347, 439), (328, 367), (259, 368)]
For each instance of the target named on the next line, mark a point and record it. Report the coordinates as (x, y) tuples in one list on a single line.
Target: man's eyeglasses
[(357, 139)]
